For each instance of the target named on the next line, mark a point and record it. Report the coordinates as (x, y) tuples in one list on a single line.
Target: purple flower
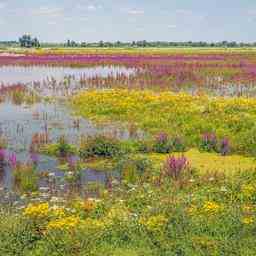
[(72, 162), (209, 141), (2, 155), (224, 146), (12, 159), (175, 165), (34, 158), (162, 137)]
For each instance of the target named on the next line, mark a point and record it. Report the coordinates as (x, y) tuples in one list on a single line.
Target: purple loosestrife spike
[(161, 137), (225, 146), (2, 155), (72, 162), (175, 165), (12, 159), (34, 158)]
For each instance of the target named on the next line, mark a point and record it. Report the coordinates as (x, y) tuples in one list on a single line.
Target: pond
[(21, 124), (27, 74)]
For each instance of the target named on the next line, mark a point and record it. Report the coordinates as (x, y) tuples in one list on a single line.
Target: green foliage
[(26, 178), (134, 168), (99, 146)]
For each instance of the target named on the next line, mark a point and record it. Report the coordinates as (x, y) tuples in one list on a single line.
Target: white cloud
[(172, 26), (136, 12), (48, 11), (91, 7), (2, 5), (183, 12)]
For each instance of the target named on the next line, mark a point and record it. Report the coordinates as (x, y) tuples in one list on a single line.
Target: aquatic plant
[(12, 160), (99, 146)]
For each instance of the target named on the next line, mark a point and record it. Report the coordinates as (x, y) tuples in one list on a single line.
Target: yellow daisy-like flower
[(66, 223), (248, 220), (37, 210), (154, 223), (211, 208)]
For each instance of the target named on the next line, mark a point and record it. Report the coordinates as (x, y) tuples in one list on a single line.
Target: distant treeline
[(71, 43)]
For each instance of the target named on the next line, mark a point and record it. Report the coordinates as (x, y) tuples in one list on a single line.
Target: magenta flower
[(2, 155), (224, 146), (34, 158), (174, 166), (12, 159), (72, 162)]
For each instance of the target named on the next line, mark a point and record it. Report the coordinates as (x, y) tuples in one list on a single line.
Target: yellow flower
[(248, 220), (118, 213), (57, 211), (154, 223), (248, 190), (192, 210), (37, 210), (89, 205), (247, 208), (66, 223), (211, 208)]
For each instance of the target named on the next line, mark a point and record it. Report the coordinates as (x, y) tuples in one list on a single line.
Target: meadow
[(127, 152)]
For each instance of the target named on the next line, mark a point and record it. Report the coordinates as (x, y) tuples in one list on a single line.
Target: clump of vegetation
[(99, 146), (175, 166), (26, 177), (134, 168), (60, 149)]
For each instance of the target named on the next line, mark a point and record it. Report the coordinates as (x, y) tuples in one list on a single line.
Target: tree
[(27, 41)]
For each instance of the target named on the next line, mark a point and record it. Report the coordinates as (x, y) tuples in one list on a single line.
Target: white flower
[(43, 189), (223, 189)]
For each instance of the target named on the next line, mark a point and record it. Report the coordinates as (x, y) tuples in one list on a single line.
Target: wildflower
[(34, 158), (12, 159), (2, 155), (175, 166), (223, 189), (154, 223), (89, 205), (66, 223), (224, 146), (247, 208), (37, 210), (248, 220), (72, 162), (211, 208), (118, 213), (248, 190), (209, 142), (192, 210)]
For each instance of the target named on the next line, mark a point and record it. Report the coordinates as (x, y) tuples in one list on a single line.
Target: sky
[(128, 20)]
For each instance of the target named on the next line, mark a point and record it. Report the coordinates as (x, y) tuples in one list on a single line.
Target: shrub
[(26, 178), (208, 142), (132, 169), (178, 145), (224, 146), (162, 144), (99, 146)]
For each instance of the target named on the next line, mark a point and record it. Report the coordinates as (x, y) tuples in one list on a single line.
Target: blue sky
[(127, 20)]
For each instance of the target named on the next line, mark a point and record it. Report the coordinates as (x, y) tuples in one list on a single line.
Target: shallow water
[(21, 74)]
